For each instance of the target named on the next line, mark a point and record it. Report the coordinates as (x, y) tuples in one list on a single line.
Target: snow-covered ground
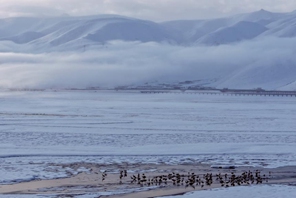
[(267, 191), (41, 128)]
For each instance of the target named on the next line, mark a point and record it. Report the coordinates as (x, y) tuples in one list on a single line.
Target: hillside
[(238, 32), (243, 51), (50, 34)]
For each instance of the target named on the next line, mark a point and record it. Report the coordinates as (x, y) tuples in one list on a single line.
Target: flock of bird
[(193, 180)]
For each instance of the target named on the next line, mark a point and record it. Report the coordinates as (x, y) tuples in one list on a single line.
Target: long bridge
[(224, 92)]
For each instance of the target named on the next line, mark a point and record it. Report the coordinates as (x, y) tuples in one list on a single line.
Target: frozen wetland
[(40, 131)]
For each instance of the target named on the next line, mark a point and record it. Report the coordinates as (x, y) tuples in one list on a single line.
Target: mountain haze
[(249, 50)]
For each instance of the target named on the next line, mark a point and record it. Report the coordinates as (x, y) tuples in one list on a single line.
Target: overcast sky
[(157, 10)]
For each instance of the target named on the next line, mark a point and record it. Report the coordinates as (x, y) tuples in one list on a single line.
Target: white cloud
[(159, 10)]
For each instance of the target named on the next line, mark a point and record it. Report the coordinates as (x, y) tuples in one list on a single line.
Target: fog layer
[(268, 63)]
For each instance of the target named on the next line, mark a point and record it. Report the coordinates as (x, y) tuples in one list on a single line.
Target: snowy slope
[(241, 31), (285, 27), (130, 31), (51, 33), (189, 31), (267, 74), (243, 51), (261, 15)]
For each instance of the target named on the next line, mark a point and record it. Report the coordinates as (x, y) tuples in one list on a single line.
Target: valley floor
[(52, 143)]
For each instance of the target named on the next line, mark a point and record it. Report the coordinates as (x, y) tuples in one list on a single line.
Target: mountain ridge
[(243, 51), (100, 29)]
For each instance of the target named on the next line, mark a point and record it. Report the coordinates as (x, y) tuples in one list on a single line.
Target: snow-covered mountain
[(53, 32), (216, 53), (69, 33), (240, 31), (232, 29)]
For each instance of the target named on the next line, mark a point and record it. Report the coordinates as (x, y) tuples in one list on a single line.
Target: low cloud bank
[(269, 62)]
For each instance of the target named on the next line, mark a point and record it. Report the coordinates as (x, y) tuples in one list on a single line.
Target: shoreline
[(118, 181)]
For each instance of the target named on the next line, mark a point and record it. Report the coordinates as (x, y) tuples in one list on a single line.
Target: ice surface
[(88, 195), (267, 191), (262, 191)]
